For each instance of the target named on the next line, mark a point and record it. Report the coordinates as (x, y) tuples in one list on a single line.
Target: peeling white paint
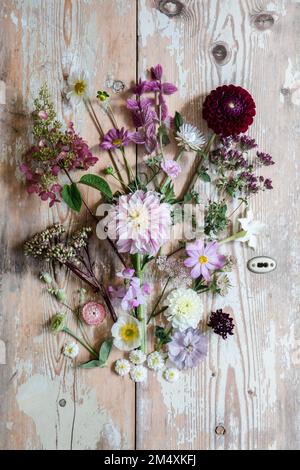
[(15, 20), (292, 82), (123, 7), (2, 92)]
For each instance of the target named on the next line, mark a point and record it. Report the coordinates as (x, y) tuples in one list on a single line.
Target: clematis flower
[(203, 259), (252, 229), (116, 138)]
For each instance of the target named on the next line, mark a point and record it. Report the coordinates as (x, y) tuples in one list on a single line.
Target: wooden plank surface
[(249, 385)]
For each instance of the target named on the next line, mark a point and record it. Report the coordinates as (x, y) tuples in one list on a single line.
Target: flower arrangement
[(141, 217)]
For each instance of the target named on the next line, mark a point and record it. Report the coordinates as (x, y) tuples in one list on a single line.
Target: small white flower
[(122, 367), (77, 88), (252, 228), (171, 374), (71, 350), (137, 356), (155, 361), (189, 137), (138, 373), (185, 308), (126, 333)]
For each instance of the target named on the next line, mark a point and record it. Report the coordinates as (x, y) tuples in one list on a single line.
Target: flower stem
[(138, 262), (203, 155), (233, 237), (153, 313), (71, 333)]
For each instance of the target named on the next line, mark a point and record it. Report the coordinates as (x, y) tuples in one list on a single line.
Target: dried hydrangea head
[(221, 323)]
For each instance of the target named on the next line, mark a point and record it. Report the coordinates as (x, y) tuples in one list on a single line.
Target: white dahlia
[(185, 308), (137, 356), (189, 137), (155, 361), (122, 367), (138, 373)]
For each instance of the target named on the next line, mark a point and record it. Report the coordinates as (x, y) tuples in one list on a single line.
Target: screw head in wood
[(62, 402), (220, 53), (170, 7), (264, 21), (220, 430)]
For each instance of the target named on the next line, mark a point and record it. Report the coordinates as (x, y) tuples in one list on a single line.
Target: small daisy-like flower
[(71, 350), (155, 361), (138, 373), (189, 137), (122, 367), (171, 374), (185, 308), (137, 356), (77, 88)]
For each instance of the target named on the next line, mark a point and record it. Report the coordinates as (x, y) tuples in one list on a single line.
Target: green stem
[(204, 154), (158, 301), (233, 237), (91, 350), (138, 263)]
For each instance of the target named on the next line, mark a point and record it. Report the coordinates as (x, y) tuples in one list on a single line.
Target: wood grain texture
[(248, 384)]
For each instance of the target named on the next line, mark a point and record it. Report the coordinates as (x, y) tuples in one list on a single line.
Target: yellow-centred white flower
[(126, 333), (185, 308)]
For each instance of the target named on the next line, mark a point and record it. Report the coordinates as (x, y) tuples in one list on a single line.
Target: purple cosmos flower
[(171, 168), (203, 259), (187, 348), (116, 138)]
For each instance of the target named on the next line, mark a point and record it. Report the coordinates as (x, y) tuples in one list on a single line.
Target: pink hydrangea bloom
[(93, 313), (171, 168), (203, 259), (140, 223)]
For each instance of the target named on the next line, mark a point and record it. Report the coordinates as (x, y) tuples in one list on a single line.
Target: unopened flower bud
[(109, 170), (58, 323), (46, 277)]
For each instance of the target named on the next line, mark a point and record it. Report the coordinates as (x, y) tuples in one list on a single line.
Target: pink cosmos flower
[(140, 223), (93, 313), (116, 138), (171, 168), (203, 259)]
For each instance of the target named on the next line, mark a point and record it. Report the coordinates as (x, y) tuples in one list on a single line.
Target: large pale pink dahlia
[(140, 223)]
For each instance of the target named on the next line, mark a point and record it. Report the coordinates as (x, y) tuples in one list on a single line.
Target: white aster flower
[(71, 350), (185, 308), (122, 367), (137, 356), (126, 333), (189, 137), (171, 374), (252, 228), (138, 373), (155, 361), (77, 88)]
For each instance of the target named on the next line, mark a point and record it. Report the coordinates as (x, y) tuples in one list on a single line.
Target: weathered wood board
[(248, 388)]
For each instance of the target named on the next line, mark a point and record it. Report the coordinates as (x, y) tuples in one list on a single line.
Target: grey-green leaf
[(72, 197), (204, 176), (105, 349), (90, 364), (96, 182)]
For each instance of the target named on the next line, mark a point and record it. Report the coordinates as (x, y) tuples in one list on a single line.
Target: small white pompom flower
[(122, 367), (138, 373), (171, 374), (189, 137), (155, 361), (137, 356), (71, 350)]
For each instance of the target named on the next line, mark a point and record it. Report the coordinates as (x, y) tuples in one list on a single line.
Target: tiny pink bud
[(43, 115)]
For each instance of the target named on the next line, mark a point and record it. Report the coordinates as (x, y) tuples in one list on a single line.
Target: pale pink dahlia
[(140, 223)]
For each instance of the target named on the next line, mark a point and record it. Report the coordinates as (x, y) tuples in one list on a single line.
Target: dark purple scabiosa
[(221, 323), (229, 110)]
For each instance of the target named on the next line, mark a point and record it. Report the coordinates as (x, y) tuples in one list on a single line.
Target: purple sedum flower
[(116, 138), (203, 259), (187, 348), (171, 168)]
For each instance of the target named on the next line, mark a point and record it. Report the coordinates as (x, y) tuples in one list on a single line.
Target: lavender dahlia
[(187, 348)]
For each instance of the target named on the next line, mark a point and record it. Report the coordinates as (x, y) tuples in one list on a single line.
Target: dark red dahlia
[(229, 110)]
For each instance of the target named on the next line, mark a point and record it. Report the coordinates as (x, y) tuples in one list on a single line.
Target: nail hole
[(220, 53), (220, 430), (170, 8), (264, 21), (62, 402), (285, 91)]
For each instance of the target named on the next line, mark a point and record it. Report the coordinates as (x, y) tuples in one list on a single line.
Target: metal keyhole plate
[(261, 264)]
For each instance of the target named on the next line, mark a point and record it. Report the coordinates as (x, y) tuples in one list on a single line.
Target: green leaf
[(94, 181), (104, 352), (90, 364), (178, 121), (204, 176), (72, 197), (163, 133)]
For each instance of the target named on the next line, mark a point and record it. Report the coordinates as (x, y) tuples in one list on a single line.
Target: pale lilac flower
[(203, 259), (187, 348), (134, 296), (127, 273), (171, 168), (116, 138), (140, 223), (116, 292)]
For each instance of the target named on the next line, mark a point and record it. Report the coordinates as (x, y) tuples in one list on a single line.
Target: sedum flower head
[(185, 308), (189, 137), (58, 323), (71, 350), (171, 374), (122, 367), (155, 361), (138, 373), (137, 356)]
